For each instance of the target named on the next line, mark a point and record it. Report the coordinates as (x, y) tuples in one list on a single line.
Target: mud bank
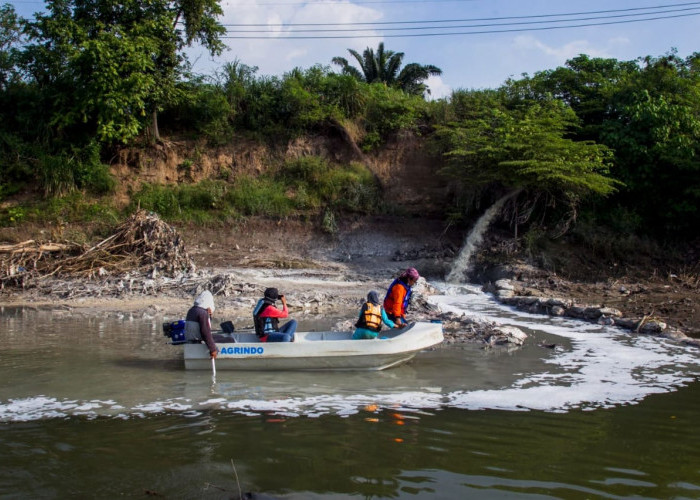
[(328, 275)]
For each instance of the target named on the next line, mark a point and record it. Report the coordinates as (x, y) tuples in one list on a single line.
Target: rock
[(576, 312), (552, 302), (652, 326), (506, 335), (606, 320), (557, 311), (610, 311), (504, 285), (504, 293)]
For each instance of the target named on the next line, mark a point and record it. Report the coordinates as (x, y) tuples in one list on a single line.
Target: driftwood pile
[(142, 243)]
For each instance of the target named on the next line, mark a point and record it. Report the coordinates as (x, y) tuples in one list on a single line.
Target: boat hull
[(317, 351)]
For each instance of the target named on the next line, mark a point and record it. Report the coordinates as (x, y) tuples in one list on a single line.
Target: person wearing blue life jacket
[(266, 318), (398, 296), (372, 316)]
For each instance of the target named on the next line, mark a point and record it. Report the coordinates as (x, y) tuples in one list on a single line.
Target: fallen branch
[(143, 242)]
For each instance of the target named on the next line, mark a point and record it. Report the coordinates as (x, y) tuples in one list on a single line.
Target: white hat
[(205, 300)]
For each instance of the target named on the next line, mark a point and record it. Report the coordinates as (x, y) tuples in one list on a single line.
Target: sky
[(476, 43)]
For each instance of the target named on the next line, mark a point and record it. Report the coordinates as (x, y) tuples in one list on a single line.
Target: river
[(99, 406)]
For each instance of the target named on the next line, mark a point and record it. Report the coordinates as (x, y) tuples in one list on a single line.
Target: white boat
[(316, 350)]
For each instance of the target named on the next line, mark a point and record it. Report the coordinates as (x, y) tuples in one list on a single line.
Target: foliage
[(587, 85), (202, 110), (388, 111), (351, 188), (383, 67), (657, 140), (57, 210), (277, 109), (79, 168), (523, 148), (301, 185), (647, 111), (620, 139), (183, 202), (10, 37), (260, 196)]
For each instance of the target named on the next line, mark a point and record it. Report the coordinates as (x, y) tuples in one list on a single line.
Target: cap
[(272, 293)]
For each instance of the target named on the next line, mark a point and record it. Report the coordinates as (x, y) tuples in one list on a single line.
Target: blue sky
[(481, 56)]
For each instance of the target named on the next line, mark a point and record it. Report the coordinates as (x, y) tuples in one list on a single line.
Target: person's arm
[(205, 330), (273, 312), (386, 320)]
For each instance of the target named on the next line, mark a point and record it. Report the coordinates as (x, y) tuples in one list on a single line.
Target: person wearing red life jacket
[(398, 296), (266, 318), (372, 316)]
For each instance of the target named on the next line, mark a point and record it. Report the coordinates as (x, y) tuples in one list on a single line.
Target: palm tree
[(384, 67)]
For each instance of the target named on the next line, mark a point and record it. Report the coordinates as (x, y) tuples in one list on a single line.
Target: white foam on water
[(596, 367), (604, 367)]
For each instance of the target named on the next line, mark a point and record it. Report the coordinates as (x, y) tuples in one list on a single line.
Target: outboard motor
[(175, 330)]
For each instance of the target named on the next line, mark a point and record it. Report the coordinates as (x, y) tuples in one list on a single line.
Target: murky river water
[(101, 407)]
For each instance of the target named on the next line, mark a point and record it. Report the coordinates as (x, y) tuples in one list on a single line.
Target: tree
[(383, 66), (647, 111), (656, 135), (525, 148), (586, 84), (104, 66), (10, 35)]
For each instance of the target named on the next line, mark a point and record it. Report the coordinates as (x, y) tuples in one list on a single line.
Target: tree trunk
[(156, 134)]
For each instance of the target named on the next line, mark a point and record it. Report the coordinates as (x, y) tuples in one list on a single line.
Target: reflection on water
[(648, 450), (100, 406)]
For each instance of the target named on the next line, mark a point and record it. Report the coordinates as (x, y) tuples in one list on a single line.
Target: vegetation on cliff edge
[(614, 143)]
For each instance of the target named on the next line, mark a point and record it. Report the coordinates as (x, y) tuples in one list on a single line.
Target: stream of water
[(100, 407)]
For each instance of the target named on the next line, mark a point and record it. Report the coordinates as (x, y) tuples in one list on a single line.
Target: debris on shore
[(143, 243)]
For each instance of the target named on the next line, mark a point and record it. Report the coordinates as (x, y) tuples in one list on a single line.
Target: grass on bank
[(306, 186)]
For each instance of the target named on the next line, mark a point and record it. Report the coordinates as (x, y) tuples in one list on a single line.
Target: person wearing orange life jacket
[(398, 296), (372, 315)]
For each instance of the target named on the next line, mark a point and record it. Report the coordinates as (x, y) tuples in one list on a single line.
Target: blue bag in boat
[(175, 330)]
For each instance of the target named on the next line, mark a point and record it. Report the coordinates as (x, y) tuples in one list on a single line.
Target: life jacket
[(370, 317), (264, 326), (193, 333), (193, 330), (388, 299)]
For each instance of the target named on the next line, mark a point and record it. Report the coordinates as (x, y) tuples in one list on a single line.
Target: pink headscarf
[(411, 273)]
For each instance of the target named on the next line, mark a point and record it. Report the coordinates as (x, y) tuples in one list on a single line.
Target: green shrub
[(56, 174), (351, 188), (389, 110), (307, 169), (74, 168), (192, 202), (259, 196)]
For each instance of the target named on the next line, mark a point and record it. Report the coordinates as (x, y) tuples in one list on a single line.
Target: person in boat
[(198, 321), (372, 316), (266, 317), (398, 296)]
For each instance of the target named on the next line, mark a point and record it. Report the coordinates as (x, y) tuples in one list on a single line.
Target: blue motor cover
[(175, 330)]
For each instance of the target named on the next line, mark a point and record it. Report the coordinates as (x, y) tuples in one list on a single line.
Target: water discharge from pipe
[(460, 266)]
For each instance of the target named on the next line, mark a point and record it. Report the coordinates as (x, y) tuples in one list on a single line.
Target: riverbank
[(329, 275)]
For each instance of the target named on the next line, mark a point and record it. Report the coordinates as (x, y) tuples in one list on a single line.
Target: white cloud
[(276, 56), (528, 43), (438, 88)]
